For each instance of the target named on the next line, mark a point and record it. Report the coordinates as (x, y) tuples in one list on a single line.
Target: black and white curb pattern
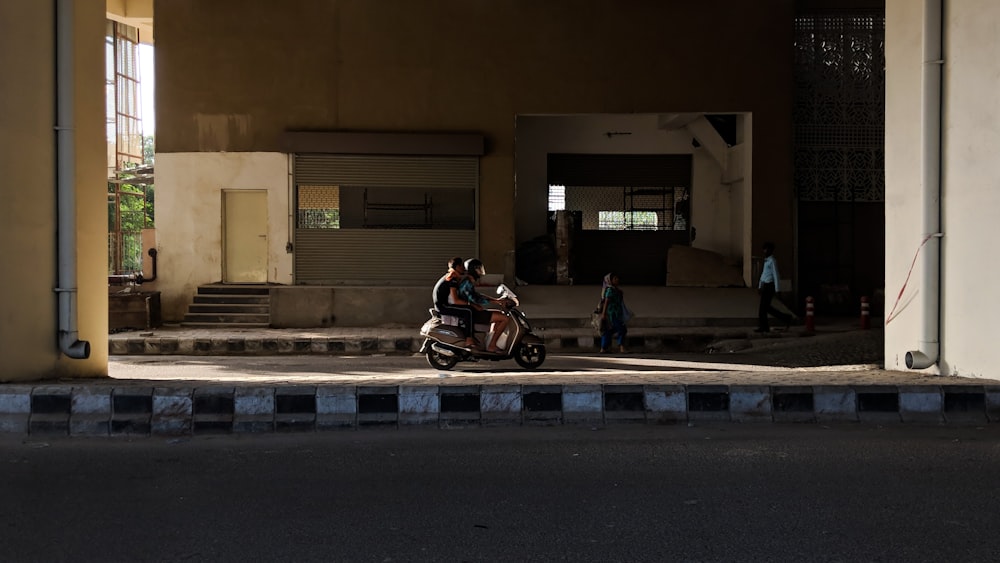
[(111, 411), (264, 346)]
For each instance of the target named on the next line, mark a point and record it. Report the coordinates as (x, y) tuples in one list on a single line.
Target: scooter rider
[(447, 300), (475, 270)]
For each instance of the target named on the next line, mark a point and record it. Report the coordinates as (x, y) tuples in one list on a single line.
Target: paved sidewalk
[(682, 375), (175, 339), (268, 341)]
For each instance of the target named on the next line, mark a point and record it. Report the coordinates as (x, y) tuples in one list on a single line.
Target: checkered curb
[(257, 346), (145, 411)]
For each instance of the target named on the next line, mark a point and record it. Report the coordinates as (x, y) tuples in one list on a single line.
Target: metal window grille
[(318, 207), (130, 210), (627, 220), (557, 198), (623, 208)]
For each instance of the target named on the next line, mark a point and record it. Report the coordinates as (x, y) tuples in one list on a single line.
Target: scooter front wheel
[(437, 360), (529, 356)]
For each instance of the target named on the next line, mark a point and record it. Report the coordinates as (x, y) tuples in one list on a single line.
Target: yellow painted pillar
[(29, 320)]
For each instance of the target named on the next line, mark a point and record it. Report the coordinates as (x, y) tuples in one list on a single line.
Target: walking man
[(767, 288)]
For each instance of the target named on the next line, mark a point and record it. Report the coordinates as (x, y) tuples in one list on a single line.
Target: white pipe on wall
[(69, 342), (929, 346)]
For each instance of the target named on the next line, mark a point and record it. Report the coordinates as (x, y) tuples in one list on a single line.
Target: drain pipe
[(139, 278), (69, 341), (929, 346)]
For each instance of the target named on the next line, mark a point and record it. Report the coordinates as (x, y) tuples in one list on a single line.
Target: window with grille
[(318, 207), (627, 220), (130, 173), (557, 198), (123, 120), (606, 208), (130, 210)]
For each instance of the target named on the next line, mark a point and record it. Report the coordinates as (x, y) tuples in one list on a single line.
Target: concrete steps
[(230, 306)]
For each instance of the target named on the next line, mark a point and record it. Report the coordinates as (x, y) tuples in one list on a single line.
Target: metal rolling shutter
[(388, 171), (376, 255)]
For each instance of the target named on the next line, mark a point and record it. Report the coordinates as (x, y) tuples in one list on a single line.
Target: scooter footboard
[(532, 339)]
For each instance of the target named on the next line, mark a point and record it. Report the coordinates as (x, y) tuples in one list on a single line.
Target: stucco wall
[(189, 233), (971, 200), (903, 180), (970, 196), (29, 312), (228, 83), (711, 208)]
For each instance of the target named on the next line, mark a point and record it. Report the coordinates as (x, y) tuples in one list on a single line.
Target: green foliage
[(318, 219), (136, 204), (131, 208), (148, 149)]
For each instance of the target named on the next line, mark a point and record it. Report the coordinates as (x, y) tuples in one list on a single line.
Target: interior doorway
[(631, 187)]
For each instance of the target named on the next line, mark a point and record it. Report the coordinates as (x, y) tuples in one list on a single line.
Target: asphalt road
[(626, 493)]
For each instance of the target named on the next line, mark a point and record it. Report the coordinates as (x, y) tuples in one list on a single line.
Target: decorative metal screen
[(839, 110), (839, 132)]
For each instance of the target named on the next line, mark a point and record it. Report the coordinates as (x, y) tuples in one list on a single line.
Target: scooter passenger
[(448, 302), (475, 270)]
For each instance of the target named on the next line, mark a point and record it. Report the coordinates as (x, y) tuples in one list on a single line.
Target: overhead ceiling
[(136, 13)]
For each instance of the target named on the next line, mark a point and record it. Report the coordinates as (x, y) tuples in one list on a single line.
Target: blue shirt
[(770, 273), (467, 291)]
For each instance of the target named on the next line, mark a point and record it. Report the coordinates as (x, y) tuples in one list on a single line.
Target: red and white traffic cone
[(810, 322), (866, 316)]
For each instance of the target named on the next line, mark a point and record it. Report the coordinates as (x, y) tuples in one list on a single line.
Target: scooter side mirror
[(504, 292)]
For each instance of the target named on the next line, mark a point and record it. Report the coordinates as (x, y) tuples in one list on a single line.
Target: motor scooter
[(444, 339)]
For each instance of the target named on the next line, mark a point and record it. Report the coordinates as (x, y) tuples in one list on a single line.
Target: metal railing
[(124, 252)]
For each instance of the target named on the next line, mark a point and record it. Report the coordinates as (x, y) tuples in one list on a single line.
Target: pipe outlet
[(73, 347), (917, 359)]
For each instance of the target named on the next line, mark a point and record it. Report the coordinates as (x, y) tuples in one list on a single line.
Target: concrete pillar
[(29, 320)]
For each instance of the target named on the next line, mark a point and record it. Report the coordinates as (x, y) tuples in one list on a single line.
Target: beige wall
[(711, 208), (28, 313), (189, 219), (234, 84), (971, 181), (903, 180), (970, 197)]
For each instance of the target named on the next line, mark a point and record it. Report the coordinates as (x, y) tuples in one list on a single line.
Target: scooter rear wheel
[(437, 360), (529, 356)]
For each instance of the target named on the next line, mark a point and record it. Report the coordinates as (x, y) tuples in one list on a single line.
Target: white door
[(244, 225)]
